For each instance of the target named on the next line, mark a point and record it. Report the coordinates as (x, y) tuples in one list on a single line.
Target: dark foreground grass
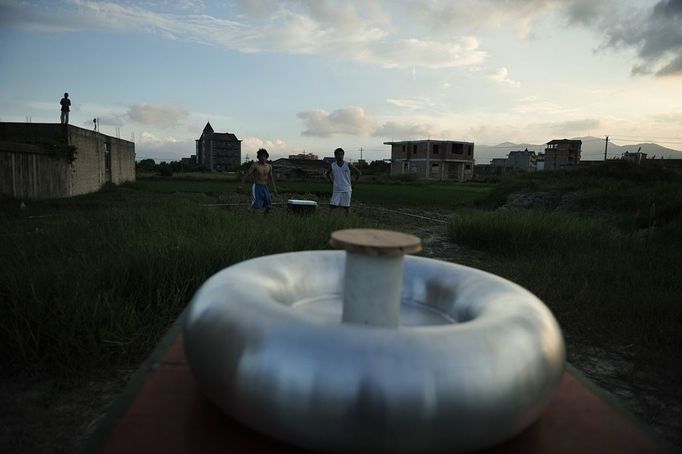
[(604, 283), (93, 281)]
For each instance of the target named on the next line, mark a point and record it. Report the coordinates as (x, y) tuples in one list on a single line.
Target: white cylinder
[(371, 290)]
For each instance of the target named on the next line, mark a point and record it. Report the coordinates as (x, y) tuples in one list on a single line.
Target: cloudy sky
[(312, 75)]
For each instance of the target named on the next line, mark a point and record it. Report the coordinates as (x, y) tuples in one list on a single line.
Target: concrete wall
[(37, 172), (31, 172), (89, 168)]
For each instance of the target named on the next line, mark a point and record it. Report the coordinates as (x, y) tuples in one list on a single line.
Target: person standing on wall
[(66, 108), (340, 174)]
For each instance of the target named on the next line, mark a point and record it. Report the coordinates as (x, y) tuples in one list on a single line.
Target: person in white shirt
[(340, 173)]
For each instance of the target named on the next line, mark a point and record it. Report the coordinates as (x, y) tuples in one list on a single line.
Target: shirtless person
[(262, 172)]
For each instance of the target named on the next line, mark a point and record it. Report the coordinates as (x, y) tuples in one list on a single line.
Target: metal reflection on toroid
[(327, 350)]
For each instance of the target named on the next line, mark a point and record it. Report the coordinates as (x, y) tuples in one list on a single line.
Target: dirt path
[(650, 394)]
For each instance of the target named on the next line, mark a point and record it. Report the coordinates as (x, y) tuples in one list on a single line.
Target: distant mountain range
[(592, 150)]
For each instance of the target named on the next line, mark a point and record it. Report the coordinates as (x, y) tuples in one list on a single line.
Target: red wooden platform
[(163, 411)]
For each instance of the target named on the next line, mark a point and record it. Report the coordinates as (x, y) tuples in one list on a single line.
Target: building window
[(469, 150), (414, 148), (467, 166), (436, 149), (457, 148)]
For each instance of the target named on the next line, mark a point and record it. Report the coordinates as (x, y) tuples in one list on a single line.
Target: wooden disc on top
[(375, 242)]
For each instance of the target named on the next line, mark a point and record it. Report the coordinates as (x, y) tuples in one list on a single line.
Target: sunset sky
[(305, 75)]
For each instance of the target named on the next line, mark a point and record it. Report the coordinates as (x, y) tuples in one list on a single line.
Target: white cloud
[(403, 53), (501, 76), (163, 116), (252, 144), (353, 31), (346, 121), (420, 102), (150, 140)]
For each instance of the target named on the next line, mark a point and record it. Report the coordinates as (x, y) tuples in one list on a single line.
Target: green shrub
[(164, 170)]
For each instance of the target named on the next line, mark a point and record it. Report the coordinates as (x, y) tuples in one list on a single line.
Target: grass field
[(90, 283), (96, 279), (391, 195), (93, 281), (610, 273)]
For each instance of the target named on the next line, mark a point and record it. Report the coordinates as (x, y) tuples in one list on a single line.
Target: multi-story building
[(433, 159), (540, 162), (498, 162), (308, 156), (525, 160), (218, 151), (562, 152)]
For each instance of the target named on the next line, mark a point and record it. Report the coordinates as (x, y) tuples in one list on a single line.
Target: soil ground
[(47, 416)]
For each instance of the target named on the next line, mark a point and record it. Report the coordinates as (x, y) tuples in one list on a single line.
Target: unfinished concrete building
[(525, 161), (47, 160), (562, 152), (433, 159)]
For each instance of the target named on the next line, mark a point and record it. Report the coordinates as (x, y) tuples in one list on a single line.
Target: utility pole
[(360, 153), (606, 147)]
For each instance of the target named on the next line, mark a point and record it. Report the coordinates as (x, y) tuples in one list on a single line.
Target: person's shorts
[(260, 196), (340, 199)]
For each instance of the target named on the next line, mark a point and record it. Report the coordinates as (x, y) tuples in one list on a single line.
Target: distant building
[(525, 161), (47, 160), (562, 152), (433, 159), (309, 156), (299, 169), (637, 157), (540, 162), (498, 162), (218, 151)]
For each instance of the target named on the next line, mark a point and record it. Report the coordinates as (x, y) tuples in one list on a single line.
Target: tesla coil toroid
[(371, 349)]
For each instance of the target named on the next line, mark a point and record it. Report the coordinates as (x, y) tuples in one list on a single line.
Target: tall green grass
[(602, 282), (94, 281)]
